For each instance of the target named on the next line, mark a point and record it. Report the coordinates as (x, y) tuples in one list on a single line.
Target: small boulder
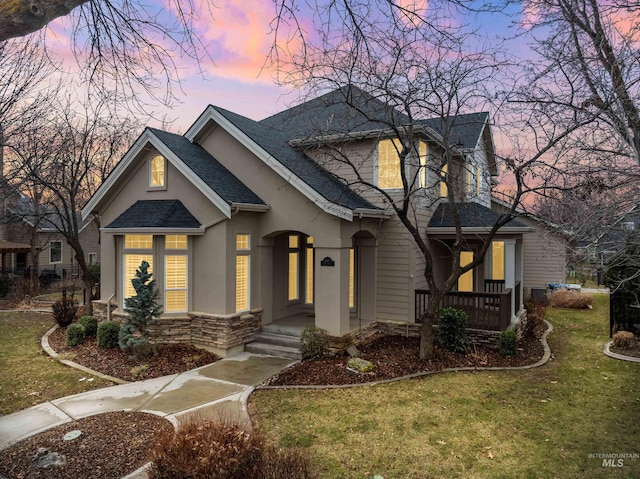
[(44, 459), (359, 365)]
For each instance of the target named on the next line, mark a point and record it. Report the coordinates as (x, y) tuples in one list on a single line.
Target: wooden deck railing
[(490, 311)]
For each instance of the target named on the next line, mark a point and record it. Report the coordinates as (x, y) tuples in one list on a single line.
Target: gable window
[(389, 164), (138, 248), (175, 273), (157, 172), (478, 180), (55, 252), (293, 275), (243, 270), (469, 178)]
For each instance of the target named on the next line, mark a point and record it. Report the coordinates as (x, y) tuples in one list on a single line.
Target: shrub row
[(87, 326)]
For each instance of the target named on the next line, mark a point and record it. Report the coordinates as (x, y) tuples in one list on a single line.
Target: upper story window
[(444, 189), (389, 164), (628, 225), (423, 173), (157, 172), (55, 252), (478, 180)]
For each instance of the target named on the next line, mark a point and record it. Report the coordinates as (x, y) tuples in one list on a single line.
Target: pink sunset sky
[(238, 39)]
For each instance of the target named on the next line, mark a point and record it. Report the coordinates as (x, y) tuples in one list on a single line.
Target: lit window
[(308, 297), (132, 263), (176, 242), (465, 281), (470, 179), (389, 164), (138, 241), (444, 190), (243, 272), (55, 252), (478, 180), (175, 283), (497, 260), (422, 178), (352, 278), (293, 271), (157, 172)]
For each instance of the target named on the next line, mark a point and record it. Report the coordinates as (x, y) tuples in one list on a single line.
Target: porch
[(493, 309), (294, 325)]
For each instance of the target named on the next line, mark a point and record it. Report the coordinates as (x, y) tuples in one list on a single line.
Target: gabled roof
[(157, 215), (465, 129), (210, 170), (474, 217), (215, 182), (333, 113)]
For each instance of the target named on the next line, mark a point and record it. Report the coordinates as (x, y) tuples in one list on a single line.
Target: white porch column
[(520, 272), (332, 286), (510, 270)]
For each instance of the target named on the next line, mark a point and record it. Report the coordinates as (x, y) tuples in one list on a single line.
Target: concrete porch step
[(273, 350), (278, 339), (282, 330)]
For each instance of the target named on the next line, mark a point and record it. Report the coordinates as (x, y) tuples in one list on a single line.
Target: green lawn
[(28, 376), (541, 423)]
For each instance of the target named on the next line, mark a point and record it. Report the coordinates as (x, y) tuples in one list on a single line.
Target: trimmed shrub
[(508, 343), (219, 450), (65, 311), (90, 324), (623, 339), (75, 334), (142, 308), (562, 298), (452, 330), (314, 343), (107, 335)]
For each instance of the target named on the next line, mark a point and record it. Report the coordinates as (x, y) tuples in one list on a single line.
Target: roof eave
[(155, 230), (480, 230), (251, 207)]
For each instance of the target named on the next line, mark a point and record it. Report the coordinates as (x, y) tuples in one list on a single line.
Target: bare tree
[(65, 160), (586, 63), (418, 68)]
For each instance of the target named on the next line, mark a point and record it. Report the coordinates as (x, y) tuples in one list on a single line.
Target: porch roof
[(474, 217), (11, 247), (156, 214)]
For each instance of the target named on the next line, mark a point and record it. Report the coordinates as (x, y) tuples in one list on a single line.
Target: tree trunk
[(427, 336)]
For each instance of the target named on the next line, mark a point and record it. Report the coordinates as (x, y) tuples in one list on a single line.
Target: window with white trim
[(388, 166), (157, 172), (293, 272), (93, 258), (478, 180), (176, 274), (423, 172), (55, 252), (243, 272), (137, 248)]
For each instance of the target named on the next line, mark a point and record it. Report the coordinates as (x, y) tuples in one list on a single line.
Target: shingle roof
[(276, 142), (156, 214), (210, 170), (465, 129), (472, 215), (333, 113)]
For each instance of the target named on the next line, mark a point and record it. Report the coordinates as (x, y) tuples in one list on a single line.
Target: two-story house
[(250, 223)]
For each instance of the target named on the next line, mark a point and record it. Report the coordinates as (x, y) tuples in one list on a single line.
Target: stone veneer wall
[(206, 329)]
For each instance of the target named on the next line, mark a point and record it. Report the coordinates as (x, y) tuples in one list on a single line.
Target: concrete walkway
[(221, 388)]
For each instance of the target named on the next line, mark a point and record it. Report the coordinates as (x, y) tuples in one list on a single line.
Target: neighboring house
[(544, 251), (23, 235), (245, 223)]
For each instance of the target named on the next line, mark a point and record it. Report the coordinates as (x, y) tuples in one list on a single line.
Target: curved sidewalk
[(220, 388)]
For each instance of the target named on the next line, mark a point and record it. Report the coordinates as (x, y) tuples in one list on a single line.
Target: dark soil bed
[(111, 446), (172, 358), (632, 351), (395, 356)]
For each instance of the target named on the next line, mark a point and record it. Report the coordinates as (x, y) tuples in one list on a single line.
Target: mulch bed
[(172, 358), (395, 356), (111, 446), (632, 351)]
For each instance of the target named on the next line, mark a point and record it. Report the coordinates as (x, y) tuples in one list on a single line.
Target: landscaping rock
[(359, 365), (44, 459)]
